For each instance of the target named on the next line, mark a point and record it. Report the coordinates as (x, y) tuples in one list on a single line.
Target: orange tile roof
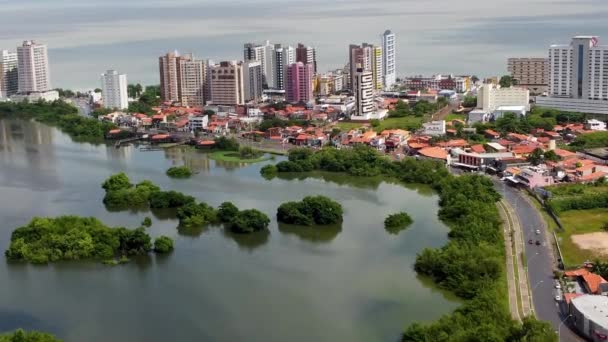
[(591, 177), (478, 148), (564, 153), (114, 131), (491, 132), (576, 273), (416, 145), (434, 152), (593, 281)]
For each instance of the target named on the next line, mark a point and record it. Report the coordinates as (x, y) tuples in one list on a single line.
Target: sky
[(86, 37)]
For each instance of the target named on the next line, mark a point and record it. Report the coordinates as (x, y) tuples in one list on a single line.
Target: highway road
[(540, 261)]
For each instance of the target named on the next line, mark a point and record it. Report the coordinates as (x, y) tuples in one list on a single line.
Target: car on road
[(557, 285), (537, 243), (558, 298), (531, 241), (538, 231)]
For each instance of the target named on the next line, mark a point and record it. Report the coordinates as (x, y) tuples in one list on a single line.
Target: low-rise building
[(491, 96), (198, 122), (533, 177), (589, 316)]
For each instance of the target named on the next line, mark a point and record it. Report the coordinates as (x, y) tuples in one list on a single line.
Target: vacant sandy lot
[(596, 242)]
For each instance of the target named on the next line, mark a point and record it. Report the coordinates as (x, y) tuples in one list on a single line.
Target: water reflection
[(248, 242), (194, 231), (316, 234)]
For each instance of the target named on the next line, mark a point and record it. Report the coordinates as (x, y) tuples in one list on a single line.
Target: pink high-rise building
[(299, 82)]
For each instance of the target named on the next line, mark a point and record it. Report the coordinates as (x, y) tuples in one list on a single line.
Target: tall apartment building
[(377, 68), (363, 88), (265, 55), (578, 78), (389, 64), (307, 55), (252, 80), (227, 83), (169, 77), (359, 56), (531, 73), (9, 79), (192, 81), (183, 79), (299, 82), (368, 57), (33, 68), (114, 90), (283, 56)]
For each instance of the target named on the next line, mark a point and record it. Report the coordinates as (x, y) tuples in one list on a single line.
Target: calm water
[(356, 283)]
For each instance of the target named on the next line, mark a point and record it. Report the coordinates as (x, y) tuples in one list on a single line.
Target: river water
[(351, 283)]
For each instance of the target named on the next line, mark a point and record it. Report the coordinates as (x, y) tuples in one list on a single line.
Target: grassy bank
[(408, 123), (578, 222), (234, 157)]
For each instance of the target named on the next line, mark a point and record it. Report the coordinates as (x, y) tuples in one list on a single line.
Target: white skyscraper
[(389, 64), (252, 80), (283, 57), (114, 90), (265, 55), (33, 68), (363, 88), (578, 76), (8, 73)]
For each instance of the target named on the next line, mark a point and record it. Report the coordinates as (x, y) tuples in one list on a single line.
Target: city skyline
[(113, 36)]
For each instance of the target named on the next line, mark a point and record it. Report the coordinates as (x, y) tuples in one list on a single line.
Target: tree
[(227, 211), (269, 171), (31, 336), (249, 221), (475, 79), (147, 222), (116, 182), (552, 156), (226, 144), (507, 81), (179, 172), (311, 210), (537, 156), (163, 244), (396, 222), (469, 101), (97, 90)]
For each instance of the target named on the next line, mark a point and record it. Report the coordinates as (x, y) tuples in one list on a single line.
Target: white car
[(538, 231), (558, 286), (558, 298)]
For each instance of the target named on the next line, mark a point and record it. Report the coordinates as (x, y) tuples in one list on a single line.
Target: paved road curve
[(540, 261)]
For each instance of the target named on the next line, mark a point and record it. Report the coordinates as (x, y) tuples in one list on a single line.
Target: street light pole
[(559, 329)]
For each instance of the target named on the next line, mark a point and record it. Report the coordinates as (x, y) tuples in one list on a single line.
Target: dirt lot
[(596, 242)]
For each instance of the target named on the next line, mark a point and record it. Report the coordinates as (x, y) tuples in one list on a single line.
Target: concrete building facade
[(169, 77), (491, 96), (283, 56), (579, 72), (377, 68), (265, 55), (192, 81), (359, 57), (33, 68), (363, 88), (299, 83), (9, 78), (114, 90), (252, 80), (307, 55), (183, 79), (389, 61), (531, 73), (227, 83)]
